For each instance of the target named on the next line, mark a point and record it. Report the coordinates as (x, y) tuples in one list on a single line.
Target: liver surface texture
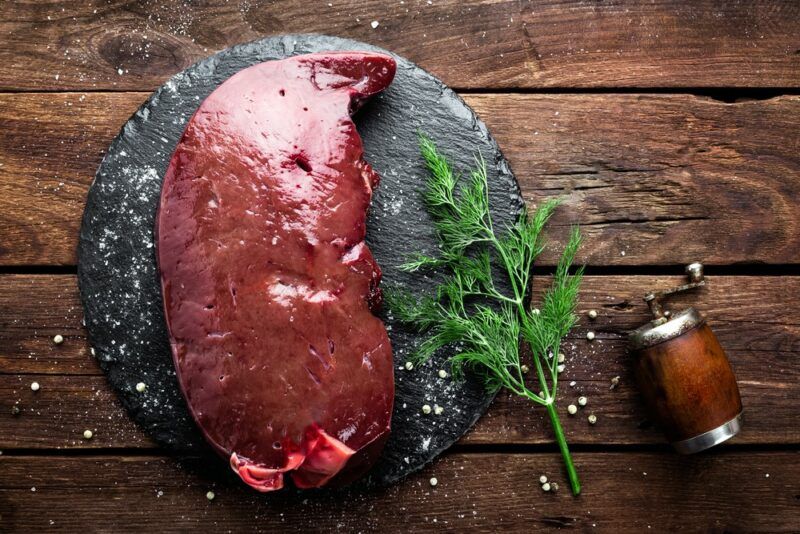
[(268, 284)]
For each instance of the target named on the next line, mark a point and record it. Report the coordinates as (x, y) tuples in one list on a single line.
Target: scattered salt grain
[(561, 368), (88, 434), (140, 387), (614, 382), (91, 351), (590, 335), (120, 71), (58, 339), (525, 369), (438, 410), (375, 24), (572, 384), (572, 409), (561, 357), (34, 386), (426, 409), (434, 481)]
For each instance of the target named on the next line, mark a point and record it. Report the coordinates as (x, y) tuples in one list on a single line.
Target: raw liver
[(267, 282)]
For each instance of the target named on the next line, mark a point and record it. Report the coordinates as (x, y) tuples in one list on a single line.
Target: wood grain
[(652, 179), (753, 317), (664, 179), (50, 147), (137, 45), (633, 492), (56, 416)]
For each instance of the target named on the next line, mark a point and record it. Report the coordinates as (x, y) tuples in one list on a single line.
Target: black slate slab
[(117, 268)]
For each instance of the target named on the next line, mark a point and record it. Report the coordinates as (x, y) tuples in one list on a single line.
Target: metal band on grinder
[(713, 437)]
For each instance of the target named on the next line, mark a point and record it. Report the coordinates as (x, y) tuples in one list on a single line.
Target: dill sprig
[(469, 311)]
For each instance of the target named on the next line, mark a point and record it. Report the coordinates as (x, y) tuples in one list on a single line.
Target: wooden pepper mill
[(684, 375)]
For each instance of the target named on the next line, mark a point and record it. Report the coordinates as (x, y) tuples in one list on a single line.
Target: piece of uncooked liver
[(268, 284)]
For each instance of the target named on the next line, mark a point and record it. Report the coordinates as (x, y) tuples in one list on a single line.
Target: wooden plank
[(50, 147), (631, 492), (56, 416), (653, 179), (754, 318), (33, 309), (659, 179), (64, 45)]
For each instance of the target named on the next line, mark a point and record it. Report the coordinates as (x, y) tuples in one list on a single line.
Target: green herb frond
[(488, 337), (422, 261), (491, 348), (468, 314), (420, 312), (460, 215), (524, 242)]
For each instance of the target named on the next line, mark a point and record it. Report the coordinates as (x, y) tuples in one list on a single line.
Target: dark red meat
[(267, 282)]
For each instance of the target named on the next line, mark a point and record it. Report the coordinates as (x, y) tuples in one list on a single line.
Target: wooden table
[(671, 128)]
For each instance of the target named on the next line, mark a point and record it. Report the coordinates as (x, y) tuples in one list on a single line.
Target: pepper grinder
[(684, 376)]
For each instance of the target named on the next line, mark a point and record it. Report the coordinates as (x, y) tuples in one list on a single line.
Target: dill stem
[(574, 483)]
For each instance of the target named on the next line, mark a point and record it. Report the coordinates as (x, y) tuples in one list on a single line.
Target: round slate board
[(117, 271)]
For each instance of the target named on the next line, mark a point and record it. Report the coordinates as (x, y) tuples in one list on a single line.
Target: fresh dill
[(470, 311)]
